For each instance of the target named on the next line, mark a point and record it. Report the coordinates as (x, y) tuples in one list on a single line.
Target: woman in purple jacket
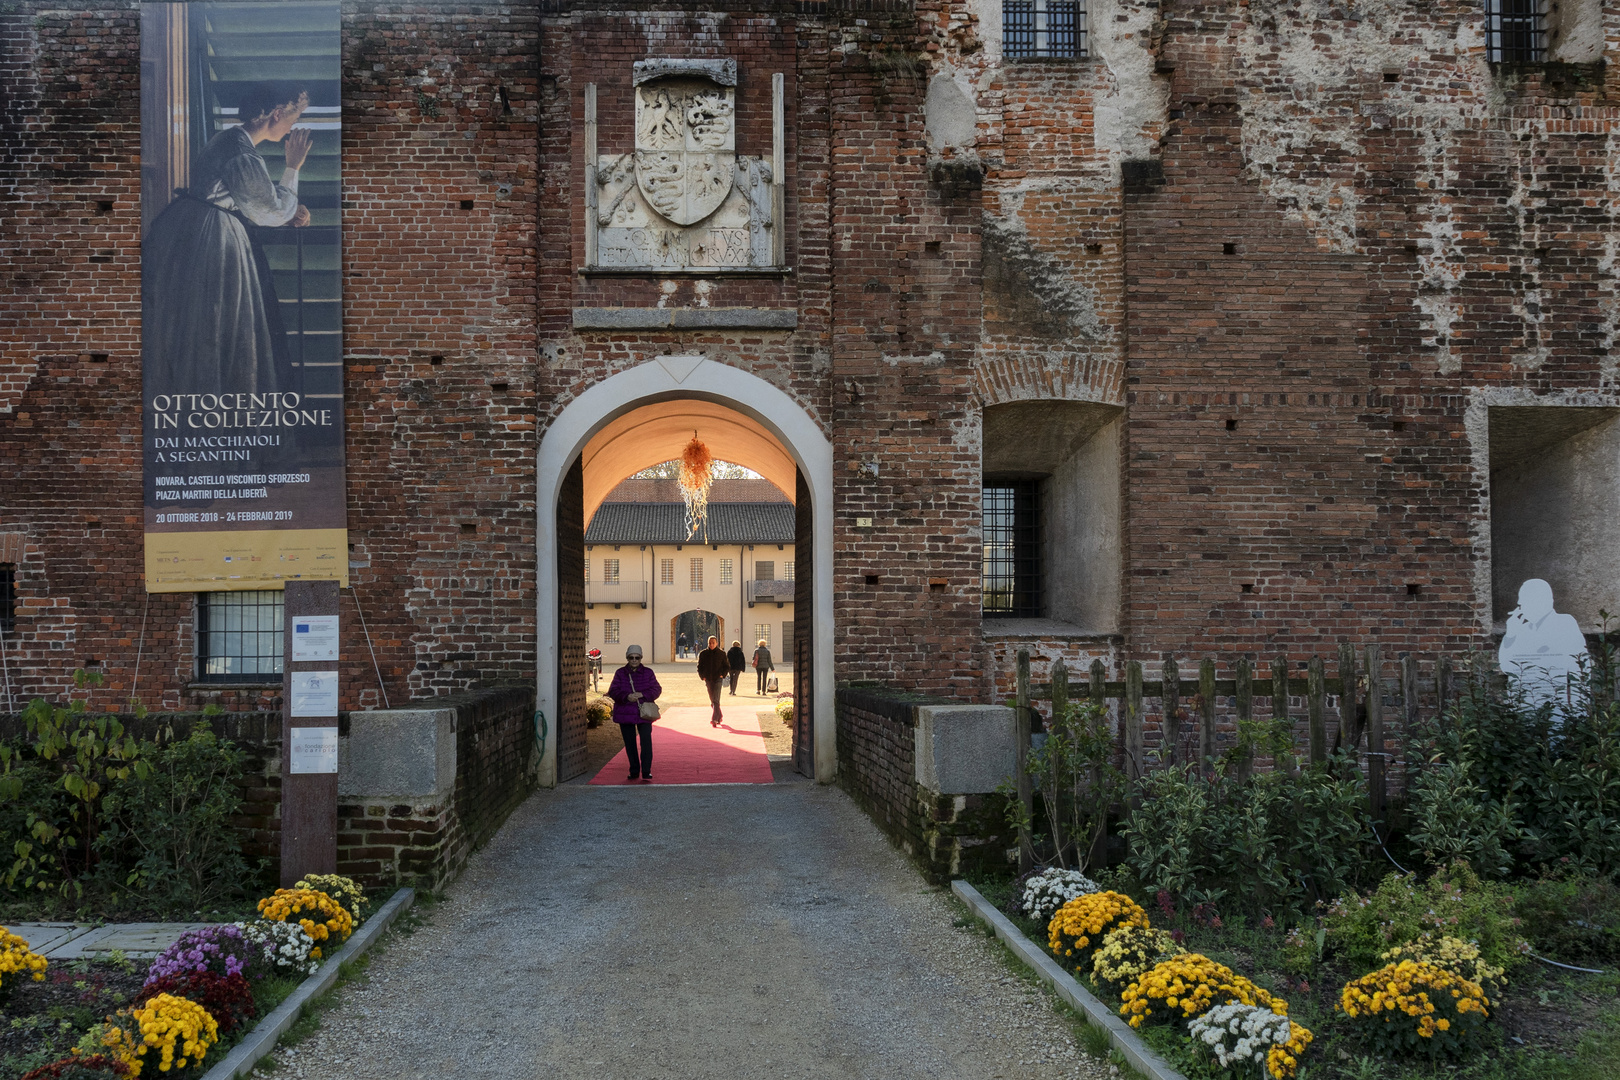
[(632, 685)]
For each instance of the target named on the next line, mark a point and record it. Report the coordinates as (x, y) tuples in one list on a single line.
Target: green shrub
[(1573, 918), (599, 712), (169, 830), (1273, 843), (1452, 903), (34, 812)]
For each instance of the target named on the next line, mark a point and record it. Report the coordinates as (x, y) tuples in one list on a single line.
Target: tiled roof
[(661, 490), (664, 523)]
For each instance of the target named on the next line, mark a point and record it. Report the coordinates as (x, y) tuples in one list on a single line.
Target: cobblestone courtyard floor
[(723, 932)]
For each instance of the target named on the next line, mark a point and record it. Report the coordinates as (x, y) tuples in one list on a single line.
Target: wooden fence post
[(1134, 749), (1170, 698), (1315, 707), (1279, 711), (1206, 719), (1409, 698), (1442, 688), (1026, 792), (1245, 712), (1060, 723), (1349, 699), (1099, 697), (1375, 733)]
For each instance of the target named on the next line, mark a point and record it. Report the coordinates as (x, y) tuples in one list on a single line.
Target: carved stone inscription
[(683, 197)]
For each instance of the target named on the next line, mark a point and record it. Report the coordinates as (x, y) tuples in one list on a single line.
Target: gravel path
[(697, 932)]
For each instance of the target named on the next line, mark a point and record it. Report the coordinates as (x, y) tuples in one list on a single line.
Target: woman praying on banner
[(212, 323), (634, 686)]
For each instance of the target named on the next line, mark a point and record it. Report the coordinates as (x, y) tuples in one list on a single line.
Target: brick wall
[(380, 842), (945, 834)]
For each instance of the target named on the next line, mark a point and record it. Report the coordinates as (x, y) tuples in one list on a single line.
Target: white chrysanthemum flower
[(1257, 1028), (1051, 889)]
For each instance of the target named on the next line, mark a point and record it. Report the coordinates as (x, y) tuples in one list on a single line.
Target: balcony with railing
[(615, 593), (780, 591)]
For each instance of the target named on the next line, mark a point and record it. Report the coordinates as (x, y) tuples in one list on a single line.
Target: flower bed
[(186, 1008)]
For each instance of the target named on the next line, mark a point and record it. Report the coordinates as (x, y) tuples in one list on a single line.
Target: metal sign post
[(309, 731)]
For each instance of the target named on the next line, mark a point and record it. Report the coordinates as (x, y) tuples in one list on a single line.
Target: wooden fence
[(1364, 689)]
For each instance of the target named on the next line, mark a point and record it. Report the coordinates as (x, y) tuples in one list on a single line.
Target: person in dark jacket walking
[(680, 646), (762, 664), (713, 667), (632, 686), (738, 661)]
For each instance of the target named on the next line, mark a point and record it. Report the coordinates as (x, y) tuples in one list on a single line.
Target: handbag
[(649, 710)]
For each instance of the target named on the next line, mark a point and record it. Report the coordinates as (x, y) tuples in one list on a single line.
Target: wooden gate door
[(804, 631), (573, 676)]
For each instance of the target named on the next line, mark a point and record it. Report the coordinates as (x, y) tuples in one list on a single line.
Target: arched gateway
[(632, 420)]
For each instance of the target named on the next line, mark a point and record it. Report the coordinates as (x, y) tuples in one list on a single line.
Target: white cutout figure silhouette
[(1541, 648)]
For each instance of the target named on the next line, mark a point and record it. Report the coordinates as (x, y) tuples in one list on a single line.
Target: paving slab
[(43, 937), (81, 941)]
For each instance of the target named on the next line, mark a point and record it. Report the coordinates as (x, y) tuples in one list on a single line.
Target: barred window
[(666, 571), (725, 571), (239, 636), (610, 631), (1012, 550), (697, 575), (8, 598), (610, 571), (765, 571), (787, 640), (762, 632), (787, 570), (1043, 28), (1515, 31)]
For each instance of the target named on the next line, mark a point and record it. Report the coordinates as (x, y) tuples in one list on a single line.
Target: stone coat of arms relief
[(683, 198)]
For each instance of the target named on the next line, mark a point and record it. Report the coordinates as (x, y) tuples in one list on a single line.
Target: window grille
[(239, 636), (610, 572), (762, 632), (8, 598), (765, 571), (587, 571), (725, 572), (666, 571), (610, 631), (1045, 28), (787, 570), (697, 575), (787, 641), (1515, 31), (1012, 550)]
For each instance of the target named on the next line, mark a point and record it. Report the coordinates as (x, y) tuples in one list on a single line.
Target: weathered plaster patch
[(1128, 120), (950, 112)]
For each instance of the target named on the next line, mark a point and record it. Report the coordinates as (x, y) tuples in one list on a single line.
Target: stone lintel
[(644, 318), (723, 72)]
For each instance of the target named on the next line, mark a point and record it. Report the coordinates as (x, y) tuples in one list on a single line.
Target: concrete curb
[(1126, 1041), (263, 1038)]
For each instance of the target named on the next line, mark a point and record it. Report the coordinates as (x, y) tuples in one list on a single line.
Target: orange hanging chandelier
[(697, 473)]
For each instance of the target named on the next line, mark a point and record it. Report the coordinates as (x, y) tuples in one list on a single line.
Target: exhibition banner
[(241, 302)]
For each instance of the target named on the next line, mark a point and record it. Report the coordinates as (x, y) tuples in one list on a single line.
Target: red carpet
[(686, 750)]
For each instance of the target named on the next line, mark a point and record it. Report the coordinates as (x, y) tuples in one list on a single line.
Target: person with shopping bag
[(634, 691), (762, 664)]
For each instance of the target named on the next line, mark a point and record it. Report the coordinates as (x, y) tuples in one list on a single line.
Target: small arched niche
[(1057, 463)]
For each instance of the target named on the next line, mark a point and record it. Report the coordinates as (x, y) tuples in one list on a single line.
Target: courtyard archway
[(643, 416)]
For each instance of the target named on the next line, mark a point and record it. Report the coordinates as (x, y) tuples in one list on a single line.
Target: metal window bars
[(1515, 31), (1012, 550), (8, 598), (239, 636), (1036, 29)]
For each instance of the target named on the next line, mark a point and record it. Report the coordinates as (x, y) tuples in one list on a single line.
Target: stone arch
[(766, 407)]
